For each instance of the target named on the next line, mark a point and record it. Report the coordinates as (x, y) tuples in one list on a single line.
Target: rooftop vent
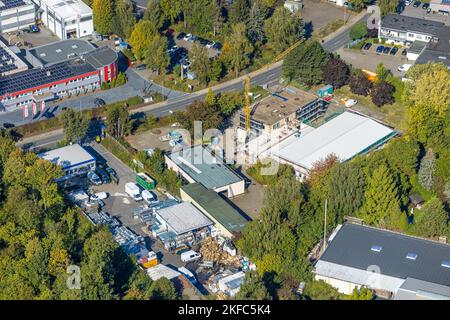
[(376, 248), (49, 73), (58, 50), (411, 256)]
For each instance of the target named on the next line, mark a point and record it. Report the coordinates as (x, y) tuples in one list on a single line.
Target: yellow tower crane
[(247, 103)]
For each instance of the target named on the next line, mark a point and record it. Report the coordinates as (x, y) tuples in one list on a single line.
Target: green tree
[(141, 37), (163, 289), (155, 14), (118, 122), (359, 4), (362, 294), (124, 17), (210, 97), (252, 288), (171, 9), (239, 49), (359, 83), (381, 198), (103, 13), (156, 56), (209, 115), (200, 63), (426, 170), (382, 72), (432, 220), (358, 31), (387, 6), (75, 125), (282, 29), (346, 190), (239, 11), (216, 70), (305, 63), (255, 24), (382, 93), (320, 290)]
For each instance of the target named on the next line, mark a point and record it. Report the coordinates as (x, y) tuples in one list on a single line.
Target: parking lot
[(421, 13), (370, 59)]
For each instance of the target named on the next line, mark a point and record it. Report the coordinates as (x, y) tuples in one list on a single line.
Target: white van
[(149, 197), (133, 191), (190, 255)]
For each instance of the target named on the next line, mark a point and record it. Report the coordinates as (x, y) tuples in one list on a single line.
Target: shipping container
[(145, 181)]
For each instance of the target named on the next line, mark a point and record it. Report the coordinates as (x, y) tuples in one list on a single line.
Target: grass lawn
[(392, 114)]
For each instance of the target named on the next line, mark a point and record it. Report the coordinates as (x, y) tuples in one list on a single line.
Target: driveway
[(314, 12)]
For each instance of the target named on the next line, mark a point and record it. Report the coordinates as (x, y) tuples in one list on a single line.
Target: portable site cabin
[(145, 181), (326, 90)]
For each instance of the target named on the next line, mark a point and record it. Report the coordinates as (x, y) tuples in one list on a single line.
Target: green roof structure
[(216, 206)]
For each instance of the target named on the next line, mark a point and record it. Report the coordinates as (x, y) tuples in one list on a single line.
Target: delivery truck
[(145, 181), (133, 191)]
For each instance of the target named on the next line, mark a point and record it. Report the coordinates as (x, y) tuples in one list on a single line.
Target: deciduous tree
[(283, 29)]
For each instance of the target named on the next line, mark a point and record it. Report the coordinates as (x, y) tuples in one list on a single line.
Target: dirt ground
[(322, 12), (152, 139)]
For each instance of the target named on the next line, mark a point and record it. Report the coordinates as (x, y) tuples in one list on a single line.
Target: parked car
[(350, 103), (408, 2), (210, 44), (187, 37), (367, 46), (425, 6), (386, 50), (404, 52), (149, 197), (428, 10), (380, 49), (34, 28), (133, 191), (112, 174), (393, 51), (142, 66), (173, 50), (190, 255), (103, 175), (99, 102), (26, 30), (192, 39), (181, 35), (99, 196), (405, 67), (416, 4), (94, 178), (202, 41), (217, 46)]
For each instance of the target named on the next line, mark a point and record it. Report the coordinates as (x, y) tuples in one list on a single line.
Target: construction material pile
[(212, 251)]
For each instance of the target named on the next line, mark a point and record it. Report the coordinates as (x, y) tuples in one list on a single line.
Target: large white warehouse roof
[(346, 136)]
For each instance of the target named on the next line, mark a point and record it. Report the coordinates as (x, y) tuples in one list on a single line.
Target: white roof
[(68, 156), (346, 136), (184, 217), (162, 271), (68, 8)]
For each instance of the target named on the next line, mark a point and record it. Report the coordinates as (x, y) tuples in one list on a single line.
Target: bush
[(382, 93), (358, 31), (359, 83)]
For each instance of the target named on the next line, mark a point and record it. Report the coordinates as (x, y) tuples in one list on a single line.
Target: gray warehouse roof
[(203, 167), (406, 23), (67, 157), (61, 50), (396, 255), (184, 217), (101, 57)]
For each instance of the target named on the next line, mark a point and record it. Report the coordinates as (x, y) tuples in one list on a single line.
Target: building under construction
[(286, 108)]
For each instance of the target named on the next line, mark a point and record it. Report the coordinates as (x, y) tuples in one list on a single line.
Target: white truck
[(133, 191), (190, 255)]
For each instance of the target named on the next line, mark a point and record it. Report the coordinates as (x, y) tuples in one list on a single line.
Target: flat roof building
[(284, 109), (393, 264), (227, 220), (58, 51), (73, 159), (345, 136), (183, 218), (10, 63), (16, 15), (66, 18), (198, 164)]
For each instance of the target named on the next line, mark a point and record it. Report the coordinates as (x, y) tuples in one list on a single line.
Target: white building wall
[(17, 18), (342, 286)]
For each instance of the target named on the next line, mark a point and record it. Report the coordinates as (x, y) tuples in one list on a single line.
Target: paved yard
[(369, 60), (421, 13), (120, 205), (152, 139)]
